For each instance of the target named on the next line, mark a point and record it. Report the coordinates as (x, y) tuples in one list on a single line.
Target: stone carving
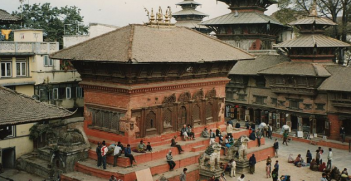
[(167, 118), (184, 97), (239, 150), (198, 95), (170, 99), (211, 93), (209, 161)]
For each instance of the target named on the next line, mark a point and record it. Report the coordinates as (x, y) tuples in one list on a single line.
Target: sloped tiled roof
[(188, 2), (17, 108), (339, 80), (313, 20), (185, 12), (312, 40), (261, 62), (298, 69), (242, 18), (5, 16), (144, 44)]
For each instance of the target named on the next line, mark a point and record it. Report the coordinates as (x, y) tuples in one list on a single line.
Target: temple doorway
[(182, 117)]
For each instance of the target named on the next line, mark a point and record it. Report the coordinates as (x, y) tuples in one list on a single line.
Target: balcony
[(342, 103), (27, 48), (293, 90)]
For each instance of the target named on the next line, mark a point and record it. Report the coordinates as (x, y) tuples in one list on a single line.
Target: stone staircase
[(155, 160)]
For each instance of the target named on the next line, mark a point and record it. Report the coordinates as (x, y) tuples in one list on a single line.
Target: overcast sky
[(123, 12)]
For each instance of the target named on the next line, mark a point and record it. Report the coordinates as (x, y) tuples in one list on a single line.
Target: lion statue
[(239, 149), (210, 159)]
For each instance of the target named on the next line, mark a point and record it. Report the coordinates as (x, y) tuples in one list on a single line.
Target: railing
[(7, 47)]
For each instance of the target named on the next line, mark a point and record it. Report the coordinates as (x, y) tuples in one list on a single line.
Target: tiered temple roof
[(189, 16)]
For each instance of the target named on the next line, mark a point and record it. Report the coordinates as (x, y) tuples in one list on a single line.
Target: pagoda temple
[(246, 26), (144, 82), (305, 89), (190, 17)]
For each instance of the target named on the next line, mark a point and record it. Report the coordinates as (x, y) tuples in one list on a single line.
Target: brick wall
[(335, 125)]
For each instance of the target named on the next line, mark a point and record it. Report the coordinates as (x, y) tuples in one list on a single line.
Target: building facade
[(300, 89), (247, 27)]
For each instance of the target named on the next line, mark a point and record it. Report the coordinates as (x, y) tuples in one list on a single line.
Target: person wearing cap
[(104, 151), (98, 154), (170, 161)]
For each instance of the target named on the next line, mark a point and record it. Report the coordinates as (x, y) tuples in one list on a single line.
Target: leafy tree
[(53, 20)]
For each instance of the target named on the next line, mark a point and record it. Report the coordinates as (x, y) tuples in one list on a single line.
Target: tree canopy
[(54, 21)]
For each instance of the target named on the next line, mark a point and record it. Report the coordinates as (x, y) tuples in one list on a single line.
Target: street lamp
[(64, 28)]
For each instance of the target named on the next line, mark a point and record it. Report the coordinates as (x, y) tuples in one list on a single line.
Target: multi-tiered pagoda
[(190, 17), (247, 26)]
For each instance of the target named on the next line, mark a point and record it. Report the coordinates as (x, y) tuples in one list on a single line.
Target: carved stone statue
[(209, 161), (239, 149)]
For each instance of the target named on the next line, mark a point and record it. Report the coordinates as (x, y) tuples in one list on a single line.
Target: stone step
[(192, 174), (156, 166), (34, 165), (198, 148), (79, 176), (44, 154)]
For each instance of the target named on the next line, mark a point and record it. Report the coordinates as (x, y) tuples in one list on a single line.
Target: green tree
[(53, 20)]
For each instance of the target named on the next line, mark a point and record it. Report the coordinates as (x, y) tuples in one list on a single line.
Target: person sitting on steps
[(174, 144), (183, 132)]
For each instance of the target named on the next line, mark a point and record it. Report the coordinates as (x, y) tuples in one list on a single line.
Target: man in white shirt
[(116, 153), (330, 158), (233, 167), (104, 151)]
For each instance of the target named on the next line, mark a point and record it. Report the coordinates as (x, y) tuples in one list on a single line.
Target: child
[(148, 147)]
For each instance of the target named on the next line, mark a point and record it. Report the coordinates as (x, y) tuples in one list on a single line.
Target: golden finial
[(159, 15), (152, 18), (168, 15), (313, 11), (147, 13)]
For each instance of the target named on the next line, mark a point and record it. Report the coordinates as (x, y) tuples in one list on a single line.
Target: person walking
[(98, 154), (258, 136), (330, 158), (285, 137), (116, 153), (252, 163), (104, 151), (270, 130), (128, 153), (342, 134), (308, 156), (170, 161), (275, 175), (276, 147), (183, 175)]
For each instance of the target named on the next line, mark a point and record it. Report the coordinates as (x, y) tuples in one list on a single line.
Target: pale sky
[(124, 12)]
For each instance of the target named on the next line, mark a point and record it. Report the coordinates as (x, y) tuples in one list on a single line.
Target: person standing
[(258, 136), (275, 175), (252, 163), (116, 153), (98, 154), (270, 130), (268, 170), (170, 161), (318, 156), (276, 147), (233, 168), (104, 151), (183, 175), (128, 153), (342, 134), (276, 167), (308, 156), (285, 137), (330, 158)]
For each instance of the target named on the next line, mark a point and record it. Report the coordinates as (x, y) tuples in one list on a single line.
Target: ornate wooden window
[(260, 100), (106, 119), (167, 118), (208, 110), (182, 117), (196, 113), (151, 120), (294, 104), (320, 106)]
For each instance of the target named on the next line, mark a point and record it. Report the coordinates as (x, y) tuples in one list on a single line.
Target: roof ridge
[(271, 66), (253, 56), (91, 39), (130, 44)]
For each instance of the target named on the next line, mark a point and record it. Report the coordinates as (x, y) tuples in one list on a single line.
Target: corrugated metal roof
[(17, 108), (242, 18), (298, 69), (308, 40), (188, 2), (261, 62), (339, 81), (312, 20), (185, 12), (5, 16), (144, 44)]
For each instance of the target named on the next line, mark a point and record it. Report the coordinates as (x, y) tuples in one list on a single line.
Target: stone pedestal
[(242, 167)]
